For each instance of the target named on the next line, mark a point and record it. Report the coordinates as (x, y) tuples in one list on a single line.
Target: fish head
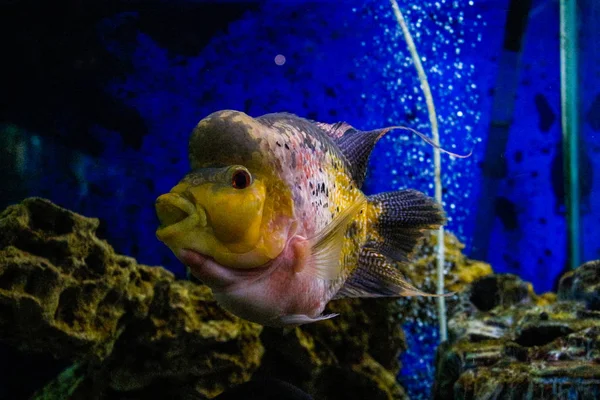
[(231, 207)]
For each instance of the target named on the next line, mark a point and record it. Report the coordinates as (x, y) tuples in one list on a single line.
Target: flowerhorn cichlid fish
[(272, 218)]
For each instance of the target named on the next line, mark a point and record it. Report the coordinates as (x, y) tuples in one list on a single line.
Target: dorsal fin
[(334, 131), (354, 144), (357, 147)]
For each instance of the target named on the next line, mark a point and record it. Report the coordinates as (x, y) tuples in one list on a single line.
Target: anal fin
[(376, 276), (299, 319)]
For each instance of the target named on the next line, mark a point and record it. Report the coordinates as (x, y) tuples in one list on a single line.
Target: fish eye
[(241, 179)]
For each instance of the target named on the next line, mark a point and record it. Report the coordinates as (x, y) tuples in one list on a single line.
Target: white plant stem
[(441, 301)]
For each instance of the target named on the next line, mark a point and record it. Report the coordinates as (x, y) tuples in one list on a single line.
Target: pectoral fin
[(326, 248)]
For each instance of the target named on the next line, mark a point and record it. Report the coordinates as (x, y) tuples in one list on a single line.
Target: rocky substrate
[(129, 329), (506, 342), (135, 332)]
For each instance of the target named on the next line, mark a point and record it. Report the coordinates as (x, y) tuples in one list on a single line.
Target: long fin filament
[(430, 142)]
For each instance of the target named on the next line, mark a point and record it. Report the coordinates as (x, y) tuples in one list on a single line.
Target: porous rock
[(460, 271), (133, 329), (506, 342), (135, 332), (348, 357), (582, 284)]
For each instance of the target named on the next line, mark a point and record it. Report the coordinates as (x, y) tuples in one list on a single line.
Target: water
[(99, 102)]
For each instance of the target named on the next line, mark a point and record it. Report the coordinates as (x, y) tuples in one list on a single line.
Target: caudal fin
[(399, 220)]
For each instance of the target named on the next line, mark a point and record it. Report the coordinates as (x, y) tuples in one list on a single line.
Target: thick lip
[(195, 216)]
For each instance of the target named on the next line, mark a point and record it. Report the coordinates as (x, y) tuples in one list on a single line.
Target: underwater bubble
[(279, 59)]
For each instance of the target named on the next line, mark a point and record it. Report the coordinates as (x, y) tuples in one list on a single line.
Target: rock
[(346, 357), (582, 284), (460, 271), (506, 342), (134, 332), (136, 329)]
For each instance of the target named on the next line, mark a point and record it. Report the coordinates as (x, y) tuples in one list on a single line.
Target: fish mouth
[(177, 214)]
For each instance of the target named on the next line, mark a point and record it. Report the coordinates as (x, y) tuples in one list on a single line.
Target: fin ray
[(300, 319), (403, 217), (326, 247), (398, 221), (357, 145), (377, 277)]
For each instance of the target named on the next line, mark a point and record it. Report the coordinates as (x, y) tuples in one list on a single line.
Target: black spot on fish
[(286, 146), (592, 117), (323, 187), (310, 184), (545, 113), (352, 230), (507, 212), (327, 192), (278, 144), (294, 159), (309, 143)]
